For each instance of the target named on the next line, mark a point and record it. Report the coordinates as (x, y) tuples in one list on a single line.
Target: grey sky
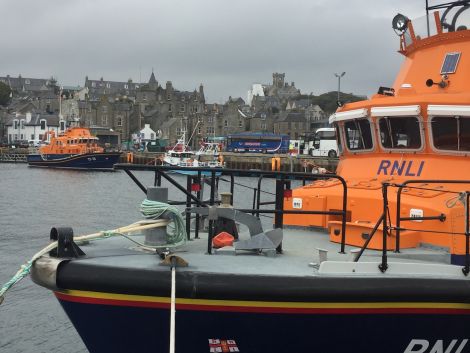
[(225, 45)]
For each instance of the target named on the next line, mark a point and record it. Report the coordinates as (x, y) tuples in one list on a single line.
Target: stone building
[(117, 114), (98, 88), (262, 121), (292, 123), (169, 110)]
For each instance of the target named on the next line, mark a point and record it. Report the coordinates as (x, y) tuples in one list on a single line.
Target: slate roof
[(291, 117), (51, 119), (29, 84)]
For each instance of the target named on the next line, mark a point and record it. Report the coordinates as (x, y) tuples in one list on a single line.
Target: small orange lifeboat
[(76, 140)]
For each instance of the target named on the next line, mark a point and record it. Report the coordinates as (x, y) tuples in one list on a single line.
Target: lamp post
[(339, 82)]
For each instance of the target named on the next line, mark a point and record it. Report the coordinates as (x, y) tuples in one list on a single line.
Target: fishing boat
[(389, 274), (76, 148), (180, 155)]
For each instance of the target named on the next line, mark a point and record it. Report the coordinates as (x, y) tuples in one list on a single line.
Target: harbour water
[(32, 201)]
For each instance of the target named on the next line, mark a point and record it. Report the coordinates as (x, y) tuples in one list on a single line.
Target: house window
[(16, 137), (108, 85), (21, 137), (178, 131), (15, 122), (32, 137), (104, 109), (169, 107), (210, 129), (263, 116), (168, 96), (240, 123), (182, 108), (152, 136), (263, 126), (126, 86), (199, 130), (43, 124), (93, 84), (119, 121), (62, 125), (210, 119), (182, 98), (144, 97), (104, 120), (225, 123)]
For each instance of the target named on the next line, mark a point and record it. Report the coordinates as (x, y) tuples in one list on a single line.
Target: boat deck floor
[(300, 256)]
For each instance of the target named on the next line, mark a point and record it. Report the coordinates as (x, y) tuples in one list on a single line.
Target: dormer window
[(15, 124)]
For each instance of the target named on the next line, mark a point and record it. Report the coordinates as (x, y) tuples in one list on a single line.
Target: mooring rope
[(149, 209)]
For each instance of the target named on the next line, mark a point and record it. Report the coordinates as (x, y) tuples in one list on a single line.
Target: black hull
[(119, 310)]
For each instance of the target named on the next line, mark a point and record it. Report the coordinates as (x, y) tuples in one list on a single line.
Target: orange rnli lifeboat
[(77, 148), (410, 142)]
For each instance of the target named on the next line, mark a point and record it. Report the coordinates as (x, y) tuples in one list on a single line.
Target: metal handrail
[(283, 179)]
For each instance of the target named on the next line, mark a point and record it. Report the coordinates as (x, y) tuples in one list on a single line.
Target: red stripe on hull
[(267, 310)]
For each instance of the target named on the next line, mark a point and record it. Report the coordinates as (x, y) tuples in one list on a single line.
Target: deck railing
[(215, 175), (387, 227)]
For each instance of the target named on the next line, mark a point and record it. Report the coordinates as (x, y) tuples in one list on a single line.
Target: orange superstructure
[(76, 140), (417, 130)]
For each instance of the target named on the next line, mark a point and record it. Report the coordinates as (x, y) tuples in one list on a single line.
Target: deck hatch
[(450, 63)]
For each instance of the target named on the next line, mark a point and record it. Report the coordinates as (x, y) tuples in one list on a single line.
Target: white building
[(32, 128), (145, 135), (256, 90)]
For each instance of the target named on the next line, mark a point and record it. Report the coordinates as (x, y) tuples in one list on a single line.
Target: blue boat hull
[(121, 328), (92, 161)]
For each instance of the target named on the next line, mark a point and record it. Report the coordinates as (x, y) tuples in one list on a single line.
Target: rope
[(453, 200), (149, 209), (155, 209)]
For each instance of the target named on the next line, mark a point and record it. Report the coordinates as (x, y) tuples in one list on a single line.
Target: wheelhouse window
[(451, 133), (358, 134), (338, 138), (400, 132)]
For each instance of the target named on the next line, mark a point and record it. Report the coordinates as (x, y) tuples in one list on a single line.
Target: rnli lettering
[(405, 168), (440, 346)]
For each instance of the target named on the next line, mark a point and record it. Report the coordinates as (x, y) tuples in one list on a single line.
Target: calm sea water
[(32, 201)]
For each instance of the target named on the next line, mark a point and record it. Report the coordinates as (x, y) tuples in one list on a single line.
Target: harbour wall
[(259, 161)]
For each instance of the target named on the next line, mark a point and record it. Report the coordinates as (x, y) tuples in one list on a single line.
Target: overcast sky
[(225, 45)]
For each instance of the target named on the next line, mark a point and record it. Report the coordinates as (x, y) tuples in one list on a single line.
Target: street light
[(339, 83)]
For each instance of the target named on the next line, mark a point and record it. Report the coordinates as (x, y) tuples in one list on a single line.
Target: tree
[(5, 92)]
